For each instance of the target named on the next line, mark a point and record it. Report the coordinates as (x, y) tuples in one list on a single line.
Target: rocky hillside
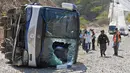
[(90, 10), (5, 5)]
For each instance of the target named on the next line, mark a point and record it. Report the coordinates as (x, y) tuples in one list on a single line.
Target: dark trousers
[(87, 46), (83, 44), (93, 44), (103, 49), (116, 45)]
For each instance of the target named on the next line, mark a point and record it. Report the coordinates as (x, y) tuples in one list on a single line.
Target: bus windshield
[(112, 28), (61, 23)]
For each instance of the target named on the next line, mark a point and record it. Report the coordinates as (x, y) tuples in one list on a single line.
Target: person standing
[(93, 39), (83, 39), (116, 40), (102, 40), (87, 38)]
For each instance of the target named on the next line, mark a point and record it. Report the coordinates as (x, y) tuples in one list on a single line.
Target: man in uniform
[(102, 40)]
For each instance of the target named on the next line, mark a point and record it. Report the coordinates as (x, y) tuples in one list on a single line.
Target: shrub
[(96, 9)]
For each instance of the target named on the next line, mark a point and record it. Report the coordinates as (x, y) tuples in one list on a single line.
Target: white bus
[(112, 27)]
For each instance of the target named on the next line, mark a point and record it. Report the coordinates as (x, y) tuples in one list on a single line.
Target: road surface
[(87, 62)]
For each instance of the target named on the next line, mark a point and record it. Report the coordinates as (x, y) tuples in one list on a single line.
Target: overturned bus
[(49, 37)]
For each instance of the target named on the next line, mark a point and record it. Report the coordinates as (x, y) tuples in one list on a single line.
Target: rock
[(4, 19), (1, 24)]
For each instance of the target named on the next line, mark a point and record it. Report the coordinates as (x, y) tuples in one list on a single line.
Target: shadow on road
[(79, 67), (120, 56), (76, 67), (107, 57), (34, 70), (90, 52), (120, 50)]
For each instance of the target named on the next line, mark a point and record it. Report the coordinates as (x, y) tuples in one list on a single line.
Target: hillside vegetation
[(90, 10)]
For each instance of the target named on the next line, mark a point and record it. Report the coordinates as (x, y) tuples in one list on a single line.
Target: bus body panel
[(47, 30)]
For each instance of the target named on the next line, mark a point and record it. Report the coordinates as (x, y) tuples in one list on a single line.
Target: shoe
[(104, 54), (86, 51), (115, 55)]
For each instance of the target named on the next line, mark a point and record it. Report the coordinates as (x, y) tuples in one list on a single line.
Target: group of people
[(88, 37)]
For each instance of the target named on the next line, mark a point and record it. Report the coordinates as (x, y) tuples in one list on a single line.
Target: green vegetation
[(103, 15), (3, 13), (128, 18), (96, 9), (91, 9), (83, 21), (25, 2), (78, 1)]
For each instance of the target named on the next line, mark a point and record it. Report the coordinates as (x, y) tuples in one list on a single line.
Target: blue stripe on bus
[(28, 18)]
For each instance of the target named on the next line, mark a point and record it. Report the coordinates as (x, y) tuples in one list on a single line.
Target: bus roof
[(112, 24)]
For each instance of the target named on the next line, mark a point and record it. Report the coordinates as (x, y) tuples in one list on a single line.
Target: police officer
[(116, 40), (102, 40)]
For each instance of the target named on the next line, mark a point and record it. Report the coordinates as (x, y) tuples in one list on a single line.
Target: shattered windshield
[(61, 24)]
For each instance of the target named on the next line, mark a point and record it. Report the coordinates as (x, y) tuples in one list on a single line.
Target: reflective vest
[(117, 36)]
